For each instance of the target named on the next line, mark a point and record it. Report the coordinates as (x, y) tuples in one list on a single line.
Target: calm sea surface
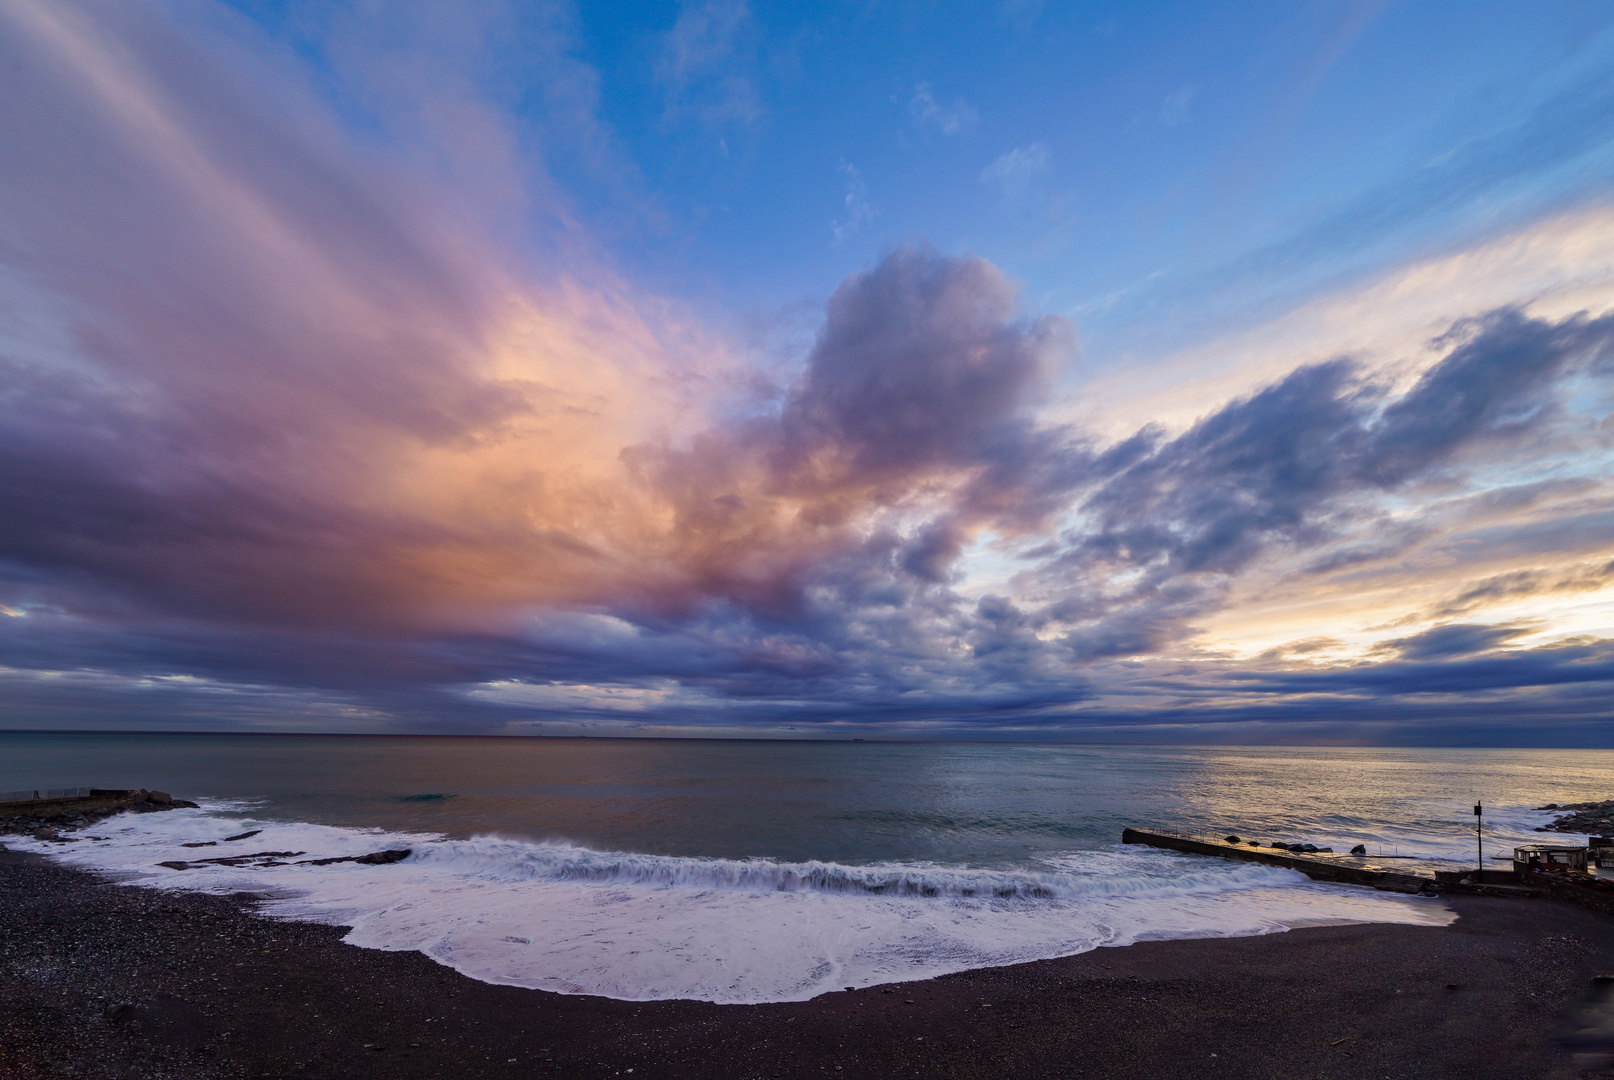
[(987, 805), (756, 871)]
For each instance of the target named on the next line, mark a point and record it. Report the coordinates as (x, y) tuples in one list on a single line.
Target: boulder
[(1359, 849), (47, 834), (381, 858), (375, 858), (1231, 839), (161, 798)]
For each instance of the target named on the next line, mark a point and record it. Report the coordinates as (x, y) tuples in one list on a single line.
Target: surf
[(567, 918)]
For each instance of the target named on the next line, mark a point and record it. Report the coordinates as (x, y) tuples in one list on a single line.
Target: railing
[(41, 794)]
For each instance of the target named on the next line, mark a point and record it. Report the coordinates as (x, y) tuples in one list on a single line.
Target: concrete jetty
[(1319, 866)]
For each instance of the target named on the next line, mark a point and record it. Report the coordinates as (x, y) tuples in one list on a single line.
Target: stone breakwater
[(1586, 818), (47, 819)]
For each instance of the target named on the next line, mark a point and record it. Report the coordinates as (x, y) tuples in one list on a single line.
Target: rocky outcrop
[(1587, 818), (375, 858), (57, 815), (280, 858)]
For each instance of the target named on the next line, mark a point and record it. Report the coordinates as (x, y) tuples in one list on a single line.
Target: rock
[(375, 858), (47, 834), (1307, 848), (261, 856), (1327, 849), (202, 843), (1359, 849), (175, 865), (1588, 817), (1232, 839), (161, 798), (120, 1011), (381, 858), (243, 836), (1253, 843)]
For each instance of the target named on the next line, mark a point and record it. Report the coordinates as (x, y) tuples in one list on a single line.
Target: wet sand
[(98, 980)]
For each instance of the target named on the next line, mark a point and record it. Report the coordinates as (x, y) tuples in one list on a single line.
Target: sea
[(753, 871)]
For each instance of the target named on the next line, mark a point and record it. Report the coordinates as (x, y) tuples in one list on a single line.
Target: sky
[(1220, 373)]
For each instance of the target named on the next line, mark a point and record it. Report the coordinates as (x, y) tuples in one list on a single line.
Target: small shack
[(1543, 858)]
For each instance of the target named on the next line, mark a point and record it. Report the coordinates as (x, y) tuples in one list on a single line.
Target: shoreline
[(104, 980)]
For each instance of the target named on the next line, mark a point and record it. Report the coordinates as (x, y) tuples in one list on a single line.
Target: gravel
[(102, 980)]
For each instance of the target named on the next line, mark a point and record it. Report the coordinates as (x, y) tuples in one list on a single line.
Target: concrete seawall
[(1344, 869)]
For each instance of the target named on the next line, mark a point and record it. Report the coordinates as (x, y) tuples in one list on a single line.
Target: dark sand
[(98, 980)]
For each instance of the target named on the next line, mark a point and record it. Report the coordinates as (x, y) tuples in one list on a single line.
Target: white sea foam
[(644, 927)]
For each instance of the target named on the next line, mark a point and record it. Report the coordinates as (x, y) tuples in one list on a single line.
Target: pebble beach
[(101, 980)]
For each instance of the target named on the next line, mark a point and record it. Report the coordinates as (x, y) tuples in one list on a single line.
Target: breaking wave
[(514, 860), (571, 919)]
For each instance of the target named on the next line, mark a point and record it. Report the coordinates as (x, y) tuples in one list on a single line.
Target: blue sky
[(1230, 372), (1201, 157), (1086, 148)]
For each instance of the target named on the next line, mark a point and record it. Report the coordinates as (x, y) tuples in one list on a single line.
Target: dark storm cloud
[(1588, 661), (922, 363), (1454, 639), (847, 621), (1271, 467), (1294, 464), (809, 553), (909, 430), (1291, 467)]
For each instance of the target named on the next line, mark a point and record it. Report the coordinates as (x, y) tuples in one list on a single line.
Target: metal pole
[(1479, 835)]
